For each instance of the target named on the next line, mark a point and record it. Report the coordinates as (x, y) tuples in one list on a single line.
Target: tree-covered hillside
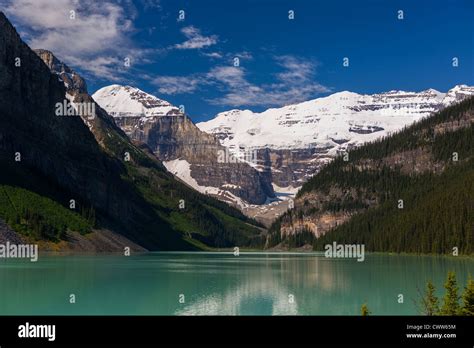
[(409, 192)]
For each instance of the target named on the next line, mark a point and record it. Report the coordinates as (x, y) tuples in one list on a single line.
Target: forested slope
[(412, 191)]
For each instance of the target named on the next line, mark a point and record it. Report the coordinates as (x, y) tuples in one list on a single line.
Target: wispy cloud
[(229, 56), (213, 55), (228, 75), (151, 4), (296, 68), (295, 82), (242, 55), (176, 84), (195, 40), (94, 37)]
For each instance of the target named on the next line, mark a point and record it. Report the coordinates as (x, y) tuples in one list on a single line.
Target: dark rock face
[(28, 95), (365, 130), (59, 152)]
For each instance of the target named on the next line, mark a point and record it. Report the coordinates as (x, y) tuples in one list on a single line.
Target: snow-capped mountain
[(187, 152), (295, 140), (342, 117), (126, 101), (457, 94)]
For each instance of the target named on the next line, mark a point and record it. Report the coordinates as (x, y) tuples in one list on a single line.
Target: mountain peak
[(461, 86), (344, 94), (431, 91), (73, 82), (123, 101), (457, 94)]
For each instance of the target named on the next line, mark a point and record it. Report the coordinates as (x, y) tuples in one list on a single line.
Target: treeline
[(40, 217), (437, 216)]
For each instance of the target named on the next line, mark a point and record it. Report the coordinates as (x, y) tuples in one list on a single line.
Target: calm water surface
[(220, 283)]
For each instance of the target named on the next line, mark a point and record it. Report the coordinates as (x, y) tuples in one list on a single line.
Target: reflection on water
[(222, 284), (256, 286)]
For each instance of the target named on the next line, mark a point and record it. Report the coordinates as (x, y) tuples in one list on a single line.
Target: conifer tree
[(451, 298), (468, 298), (430, 301)]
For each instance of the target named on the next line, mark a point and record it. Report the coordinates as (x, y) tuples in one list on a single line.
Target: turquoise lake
[(221, 284)]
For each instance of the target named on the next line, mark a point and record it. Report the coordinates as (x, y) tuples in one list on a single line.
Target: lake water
[(220, 283)]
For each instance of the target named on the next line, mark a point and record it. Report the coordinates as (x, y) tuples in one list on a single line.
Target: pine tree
[(451, 298), (468, 298), (430, 302)]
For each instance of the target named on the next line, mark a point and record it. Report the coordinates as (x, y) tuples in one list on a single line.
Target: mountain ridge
[(296, 140), (343, 101), (66, 177)]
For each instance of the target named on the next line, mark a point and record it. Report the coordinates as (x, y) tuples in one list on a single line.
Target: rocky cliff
[(172, 136)]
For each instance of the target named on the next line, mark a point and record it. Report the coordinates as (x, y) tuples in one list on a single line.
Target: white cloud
[(295, 68), (243, 55), (195, 40), (295, 83), (214, 55), (176, 84), (228, 75), (229, 56), (97, 40)]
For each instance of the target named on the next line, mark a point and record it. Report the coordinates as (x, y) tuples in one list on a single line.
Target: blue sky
[(190, 62)]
